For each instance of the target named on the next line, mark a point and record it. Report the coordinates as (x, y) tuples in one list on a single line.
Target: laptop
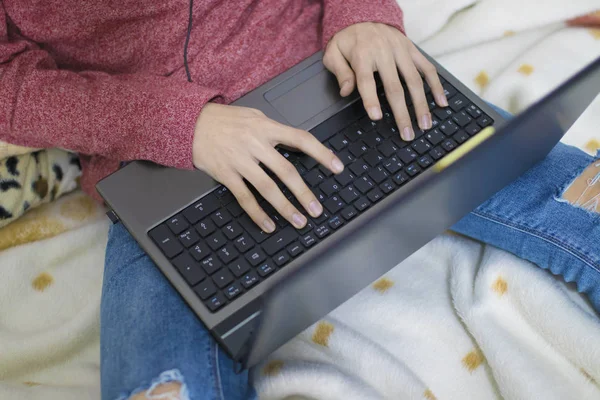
[(255, 291)]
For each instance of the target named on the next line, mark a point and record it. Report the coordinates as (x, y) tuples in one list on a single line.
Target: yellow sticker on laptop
[(464, 149)]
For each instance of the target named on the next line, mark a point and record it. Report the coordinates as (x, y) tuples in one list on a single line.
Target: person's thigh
[(149, 335), (532, 219)]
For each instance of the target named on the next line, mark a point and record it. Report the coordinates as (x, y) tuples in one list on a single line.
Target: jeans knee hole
[(584, 191)]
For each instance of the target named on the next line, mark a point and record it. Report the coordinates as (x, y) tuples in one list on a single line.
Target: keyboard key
[(189, 269), (449, 90), (373, 157), (205, 228), (435, 137), (458, 102), (235, 209), (412, 170), (388, 130), (373, 140), (335, 222), (425, 161), (472, 128), (375, 195), (216, 302), (364, 184), (431, 102), (279, 240), (443, 113), (334, 204), (249, 280), (308, 162), (233, 291), (330, 186), (216, 240), (362, 204), (177, 224), (346, 157), (354, 132), (399, 142), (295, 249), (202, 208), (400, 178), (449, 144), (407, 155), (462, 119), (484, 121), (221, 217), (435, 123), (255, 256), (349, 212), (255, 232), (300, 168), (211, 264), (239, 267), (189, 237), (227, 253), (461, 137), (378, 174), (474, 112), (205, 289), (359, 167), (281, 258), (308, 240), (357, 149), (345, 177), (366, 124), (448, 128), (265, 268), (326, 172), (421, 146), (339, 142), (321, 231), (232, 230), (349, 194), (388, 149), (319, 195), (222, 278), (393, 165), (243, 243), (165, 240), (437, 152), (387, 186), (314, 177), (199, 251)]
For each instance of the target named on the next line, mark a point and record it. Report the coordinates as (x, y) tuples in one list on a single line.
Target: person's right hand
[(229, 144)]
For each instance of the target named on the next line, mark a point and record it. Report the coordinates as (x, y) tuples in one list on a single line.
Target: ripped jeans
[(149, 336)]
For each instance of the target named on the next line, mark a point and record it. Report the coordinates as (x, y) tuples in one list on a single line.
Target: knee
[(164, 391), (584, 191)]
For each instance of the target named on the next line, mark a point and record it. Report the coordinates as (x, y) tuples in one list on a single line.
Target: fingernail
[(375, 113), (426, 121), (298, 220), (344, 86), (408, 134), (268, 226), (315, 208), (337, 165), (441, 100)]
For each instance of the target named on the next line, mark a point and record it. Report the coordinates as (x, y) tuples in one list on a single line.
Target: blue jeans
[(149, 335)]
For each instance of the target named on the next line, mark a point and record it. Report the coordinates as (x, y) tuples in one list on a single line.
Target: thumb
[(335, 62)]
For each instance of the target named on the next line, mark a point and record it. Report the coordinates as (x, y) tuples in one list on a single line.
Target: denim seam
[(218, 372), (215, 367), (583, 258), (129, 263)]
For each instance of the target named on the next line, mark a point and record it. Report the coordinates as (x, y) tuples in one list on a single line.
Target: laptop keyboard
[(221, 253)]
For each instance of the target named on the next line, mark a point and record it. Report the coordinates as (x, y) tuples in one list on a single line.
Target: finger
[(247, 201), (292, 179), (335, 62), (364, 68), (431, 76), (414, 82), (271, 192), (395, 94), (309, 145)]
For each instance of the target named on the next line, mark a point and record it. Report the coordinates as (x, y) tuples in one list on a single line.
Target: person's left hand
[(359, 50)]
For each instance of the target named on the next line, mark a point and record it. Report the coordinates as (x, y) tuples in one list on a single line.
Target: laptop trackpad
[(305, 95)]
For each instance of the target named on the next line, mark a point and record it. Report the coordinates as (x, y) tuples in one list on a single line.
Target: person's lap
[(149, 335)]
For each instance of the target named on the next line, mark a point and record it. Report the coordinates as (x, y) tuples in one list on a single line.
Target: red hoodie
[(105, 78)]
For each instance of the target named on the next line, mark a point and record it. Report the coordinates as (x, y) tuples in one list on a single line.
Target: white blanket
[(50, 294)]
